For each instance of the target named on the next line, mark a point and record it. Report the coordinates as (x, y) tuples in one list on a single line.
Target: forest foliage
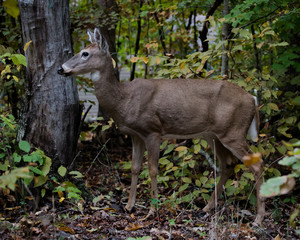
[(162, 40)]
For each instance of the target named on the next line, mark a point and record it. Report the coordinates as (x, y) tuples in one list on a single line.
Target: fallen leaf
[(66, 229), (277, 237), (133, 227)]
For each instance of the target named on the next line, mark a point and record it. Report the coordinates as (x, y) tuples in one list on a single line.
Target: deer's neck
[(108, 89)]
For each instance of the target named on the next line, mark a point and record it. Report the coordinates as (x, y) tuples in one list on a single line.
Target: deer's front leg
[(152, 145), (138, 149)]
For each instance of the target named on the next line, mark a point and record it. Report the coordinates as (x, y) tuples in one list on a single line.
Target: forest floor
[(101, 215)]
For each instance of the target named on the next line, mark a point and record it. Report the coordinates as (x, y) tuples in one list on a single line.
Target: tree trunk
[(204, 31), (137, 41), (225, 36), (51, 116)]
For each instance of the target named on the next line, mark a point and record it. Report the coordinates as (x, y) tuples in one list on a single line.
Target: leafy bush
[(19, 165)]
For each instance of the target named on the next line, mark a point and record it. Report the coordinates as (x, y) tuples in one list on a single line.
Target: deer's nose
[(60, 71)]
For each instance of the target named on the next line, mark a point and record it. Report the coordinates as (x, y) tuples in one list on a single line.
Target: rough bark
[(51, 114)]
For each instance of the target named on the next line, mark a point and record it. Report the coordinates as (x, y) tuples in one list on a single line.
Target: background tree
[(51, 115)]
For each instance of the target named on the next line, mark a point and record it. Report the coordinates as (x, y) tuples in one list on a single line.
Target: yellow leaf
[(15, 78), (181, 148), (248, 79), (60, 194), (113, 62), (209, 73), (157, 60), (221, 20), (260, 45), (12, 8), (199, 69), (27, 45), (134, 59), (251, 159), (61, 199), (145, 59), (182, 65)]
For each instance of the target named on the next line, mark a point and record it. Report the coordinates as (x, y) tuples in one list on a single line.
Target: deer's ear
[(91, 36), (100, 40)]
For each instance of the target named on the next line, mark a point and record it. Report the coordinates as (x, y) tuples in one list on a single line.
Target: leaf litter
[(102, 214)]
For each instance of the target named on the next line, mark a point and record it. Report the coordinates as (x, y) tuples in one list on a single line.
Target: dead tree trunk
[(51, 115)]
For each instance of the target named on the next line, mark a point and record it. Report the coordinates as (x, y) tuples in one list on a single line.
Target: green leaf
[(73, 189), (197, 148), (288, 161), (24, 146), (43, 192), (244, 33), (296, 101), (17, 157), (126, 165), (277, 186), (205, 196), (169, 149), (27, 158), (203, 180), (273, 106), (62, 171), (19, 59), (183, 187), (105, 127), (198, 183), (186, 180), (282, 149), (74, 195), (164, 161), (40, 180), (164, 144), (203, 143), (36, 170), (248, 175), (46, 166), (187, 198), (77, 174), (282, 130)]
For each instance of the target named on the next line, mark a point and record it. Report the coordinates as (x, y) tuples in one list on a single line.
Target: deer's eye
[(85, 54)]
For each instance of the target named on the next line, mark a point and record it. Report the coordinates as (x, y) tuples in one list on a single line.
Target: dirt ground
[(104, 217)]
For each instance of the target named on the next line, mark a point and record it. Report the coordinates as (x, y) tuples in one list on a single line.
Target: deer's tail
[(253, 129)]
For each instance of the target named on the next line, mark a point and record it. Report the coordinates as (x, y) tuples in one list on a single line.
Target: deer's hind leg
[(227, 162), (241, 149)]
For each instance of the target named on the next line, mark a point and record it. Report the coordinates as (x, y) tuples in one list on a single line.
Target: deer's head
[(90, 59)]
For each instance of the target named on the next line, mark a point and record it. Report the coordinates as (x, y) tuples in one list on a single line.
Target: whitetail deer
[(153, 109)]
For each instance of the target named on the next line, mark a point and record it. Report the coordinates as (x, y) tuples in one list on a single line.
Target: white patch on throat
[(95, 76)]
